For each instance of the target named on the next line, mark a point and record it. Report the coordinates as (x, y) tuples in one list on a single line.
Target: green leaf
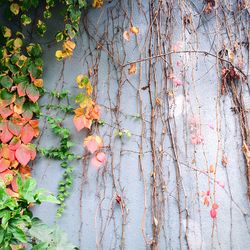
[(5, 95), (25, 20), (19, 234), (6, 82)]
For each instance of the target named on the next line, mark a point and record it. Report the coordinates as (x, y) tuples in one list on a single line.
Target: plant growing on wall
[(21, 85)]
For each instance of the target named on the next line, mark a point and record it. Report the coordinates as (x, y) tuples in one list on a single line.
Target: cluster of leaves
[(85, 116), (20, 88), (62, 153), (15, 216), (72, 14)]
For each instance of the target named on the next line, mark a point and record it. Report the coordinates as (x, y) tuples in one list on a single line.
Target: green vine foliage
[(21, 85), (61, 153), (71, 11), (16, 218)]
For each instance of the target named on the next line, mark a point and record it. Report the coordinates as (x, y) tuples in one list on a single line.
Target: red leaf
[(4, 164), (23, 155), (14, 143), (215, 206), (213, 213), (93, 143), (11, 193), (32, 92), (21, 87), (14, 128), (27, 133), (5, 112), (5, 136), (98, 160)]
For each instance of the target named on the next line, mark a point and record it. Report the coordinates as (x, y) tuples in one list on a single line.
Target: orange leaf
[(135, 30), (38, 83), (4, 164), (6, 176), (132, 69)]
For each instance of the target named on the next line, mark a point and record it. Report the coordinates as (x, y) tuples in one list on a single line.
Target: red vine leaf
[(23, 155), (27, 133), (21, 88), (14, 128), (213, 213), (5, 112), (14, 143), (32, 92), (11, 193), (98, 160), (5, 136), (93, 143), (81, 122)]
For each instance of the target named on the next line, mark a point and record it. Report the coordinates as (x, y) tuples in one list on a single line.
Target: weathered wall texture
[(158, 173)]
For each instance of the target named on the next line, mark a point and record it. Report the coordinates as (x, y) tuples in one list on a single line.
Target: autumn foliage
[(20, 80)]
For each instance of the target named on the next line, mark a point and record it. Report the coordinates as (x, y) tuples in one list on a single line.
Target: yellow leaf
[(38, 83), (79, 111), (135, 30), (7, 32), (14, 8), (89, 88), (18, 43), (79, 79), (97, 3), (59, 55), (132, 69)]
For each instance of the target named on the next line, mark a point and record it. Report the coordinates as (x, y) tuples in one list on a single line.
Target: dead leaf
[(135, 30), (158, 101), (126, 35), (132, 69)]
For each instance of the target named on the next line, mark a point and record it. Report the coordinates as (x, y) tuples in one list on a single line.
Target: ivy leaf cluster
[(61, 153)]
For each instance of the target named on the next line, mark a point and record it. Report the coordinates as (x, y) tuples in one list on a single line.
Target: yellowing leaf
[(7, 32), (14, 8), (97, 3), (132, 69), (18, 43), (126, 35), (59, 55), (135, 30), (38, 82), (79, 79), (93, 143)]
